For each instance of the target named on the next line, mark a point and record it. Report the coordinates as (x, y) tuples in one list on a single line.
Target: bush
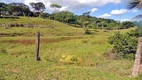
[(44, 15), (3, 51), (133, 33), (126, 25), (139, 31), (124, 45), (139, 77), (87, 31)]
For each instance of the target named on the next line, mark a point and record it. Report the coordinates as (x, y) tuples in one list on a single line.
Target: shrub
[(2, 50), (133, 33), (44, 15), (126, 25), (87, 31), (124, 44), (139, 77), (139, 31)]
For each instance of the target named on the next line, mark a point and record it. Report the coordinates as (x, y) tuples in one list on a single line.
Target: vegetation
[(124, 45), (84, 20), (38, 7), (89, 50), (135, 4), (139, 31), (66, 53), (56, 7), (126, 25), (137, 20)]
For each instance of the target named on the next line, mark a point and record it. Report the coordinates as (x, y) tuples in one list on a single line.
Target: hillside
[(66, 53), (49, 29)]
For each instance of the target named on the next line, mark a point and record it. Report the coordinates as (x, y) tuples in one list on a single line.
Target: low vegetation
[(124, 45), (73, 47), (83, 21), (66, 53)]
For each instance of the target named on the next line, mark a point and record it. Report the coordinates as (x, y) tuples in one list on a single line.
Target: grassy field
[(66, 53)]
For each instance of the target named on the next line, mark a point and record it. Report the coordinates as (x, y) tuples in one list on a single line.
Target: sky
[(111, 9)]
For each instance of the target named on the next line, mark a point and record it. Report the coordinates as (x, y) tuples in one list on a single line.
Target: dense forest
[(38, 10)]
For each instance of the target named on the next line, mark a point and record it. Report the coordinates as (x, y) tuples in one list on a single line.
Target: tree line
[(38, 10), (21, 9)]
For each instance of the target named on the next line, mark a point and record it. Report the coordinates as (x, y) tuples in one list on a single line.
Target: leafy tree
[(55, 7), (138, 5), (126, 25), (18, 9), (135, 4), (64, 16), (3, 8), (38, 7), (84, 18), (86, 23), (44, 15), (87, 14), (124, 45), (101, 24), (139, 31)]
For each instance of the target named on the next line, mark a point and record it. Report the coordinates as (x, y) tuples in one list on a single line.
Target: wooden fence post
[(138, 56), (37, 46)]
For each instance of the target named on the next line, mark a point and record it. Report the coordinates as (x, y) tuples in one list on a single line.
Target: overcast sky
[(114, 9)]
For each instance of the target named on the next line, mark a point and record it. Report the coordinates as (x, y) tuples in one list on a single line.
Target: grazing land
[(66, 53)]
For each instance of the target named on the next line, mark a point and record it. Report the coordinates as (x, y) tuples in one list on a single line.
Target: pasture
[(66, 53)]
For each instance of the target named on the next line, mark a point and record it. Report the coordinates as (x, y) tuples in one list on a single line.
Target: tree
[(138, 5), (44, 15), (64, 16), (56, 7), (87, 14), (135, 4), (124, 45), (126, 25), (84, 18), (18, 9), (38, 7), (3, 8)]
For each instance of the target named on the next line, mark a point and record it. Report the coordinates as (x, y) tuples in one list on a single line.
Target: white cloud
[(63, 8), (118, 12), (75, 4), (134, 10), (93, 10), (9, 1), (70, 4), (105, 15), (123, 20)]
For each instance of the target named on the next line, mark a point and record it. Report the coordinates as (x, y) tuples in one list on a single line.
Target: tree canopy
[(3, 8), (38, 7), (55, 6), (85, 20), (135, 4), (18, 8)]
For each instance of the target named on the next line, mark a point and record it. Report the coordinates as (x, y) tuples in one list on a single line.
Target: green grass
[(17, 59), (59, 30)]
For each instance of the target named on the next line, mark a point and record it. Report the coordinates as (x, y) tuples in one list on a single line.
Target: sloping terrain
[(66, 53), (58, 29)]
